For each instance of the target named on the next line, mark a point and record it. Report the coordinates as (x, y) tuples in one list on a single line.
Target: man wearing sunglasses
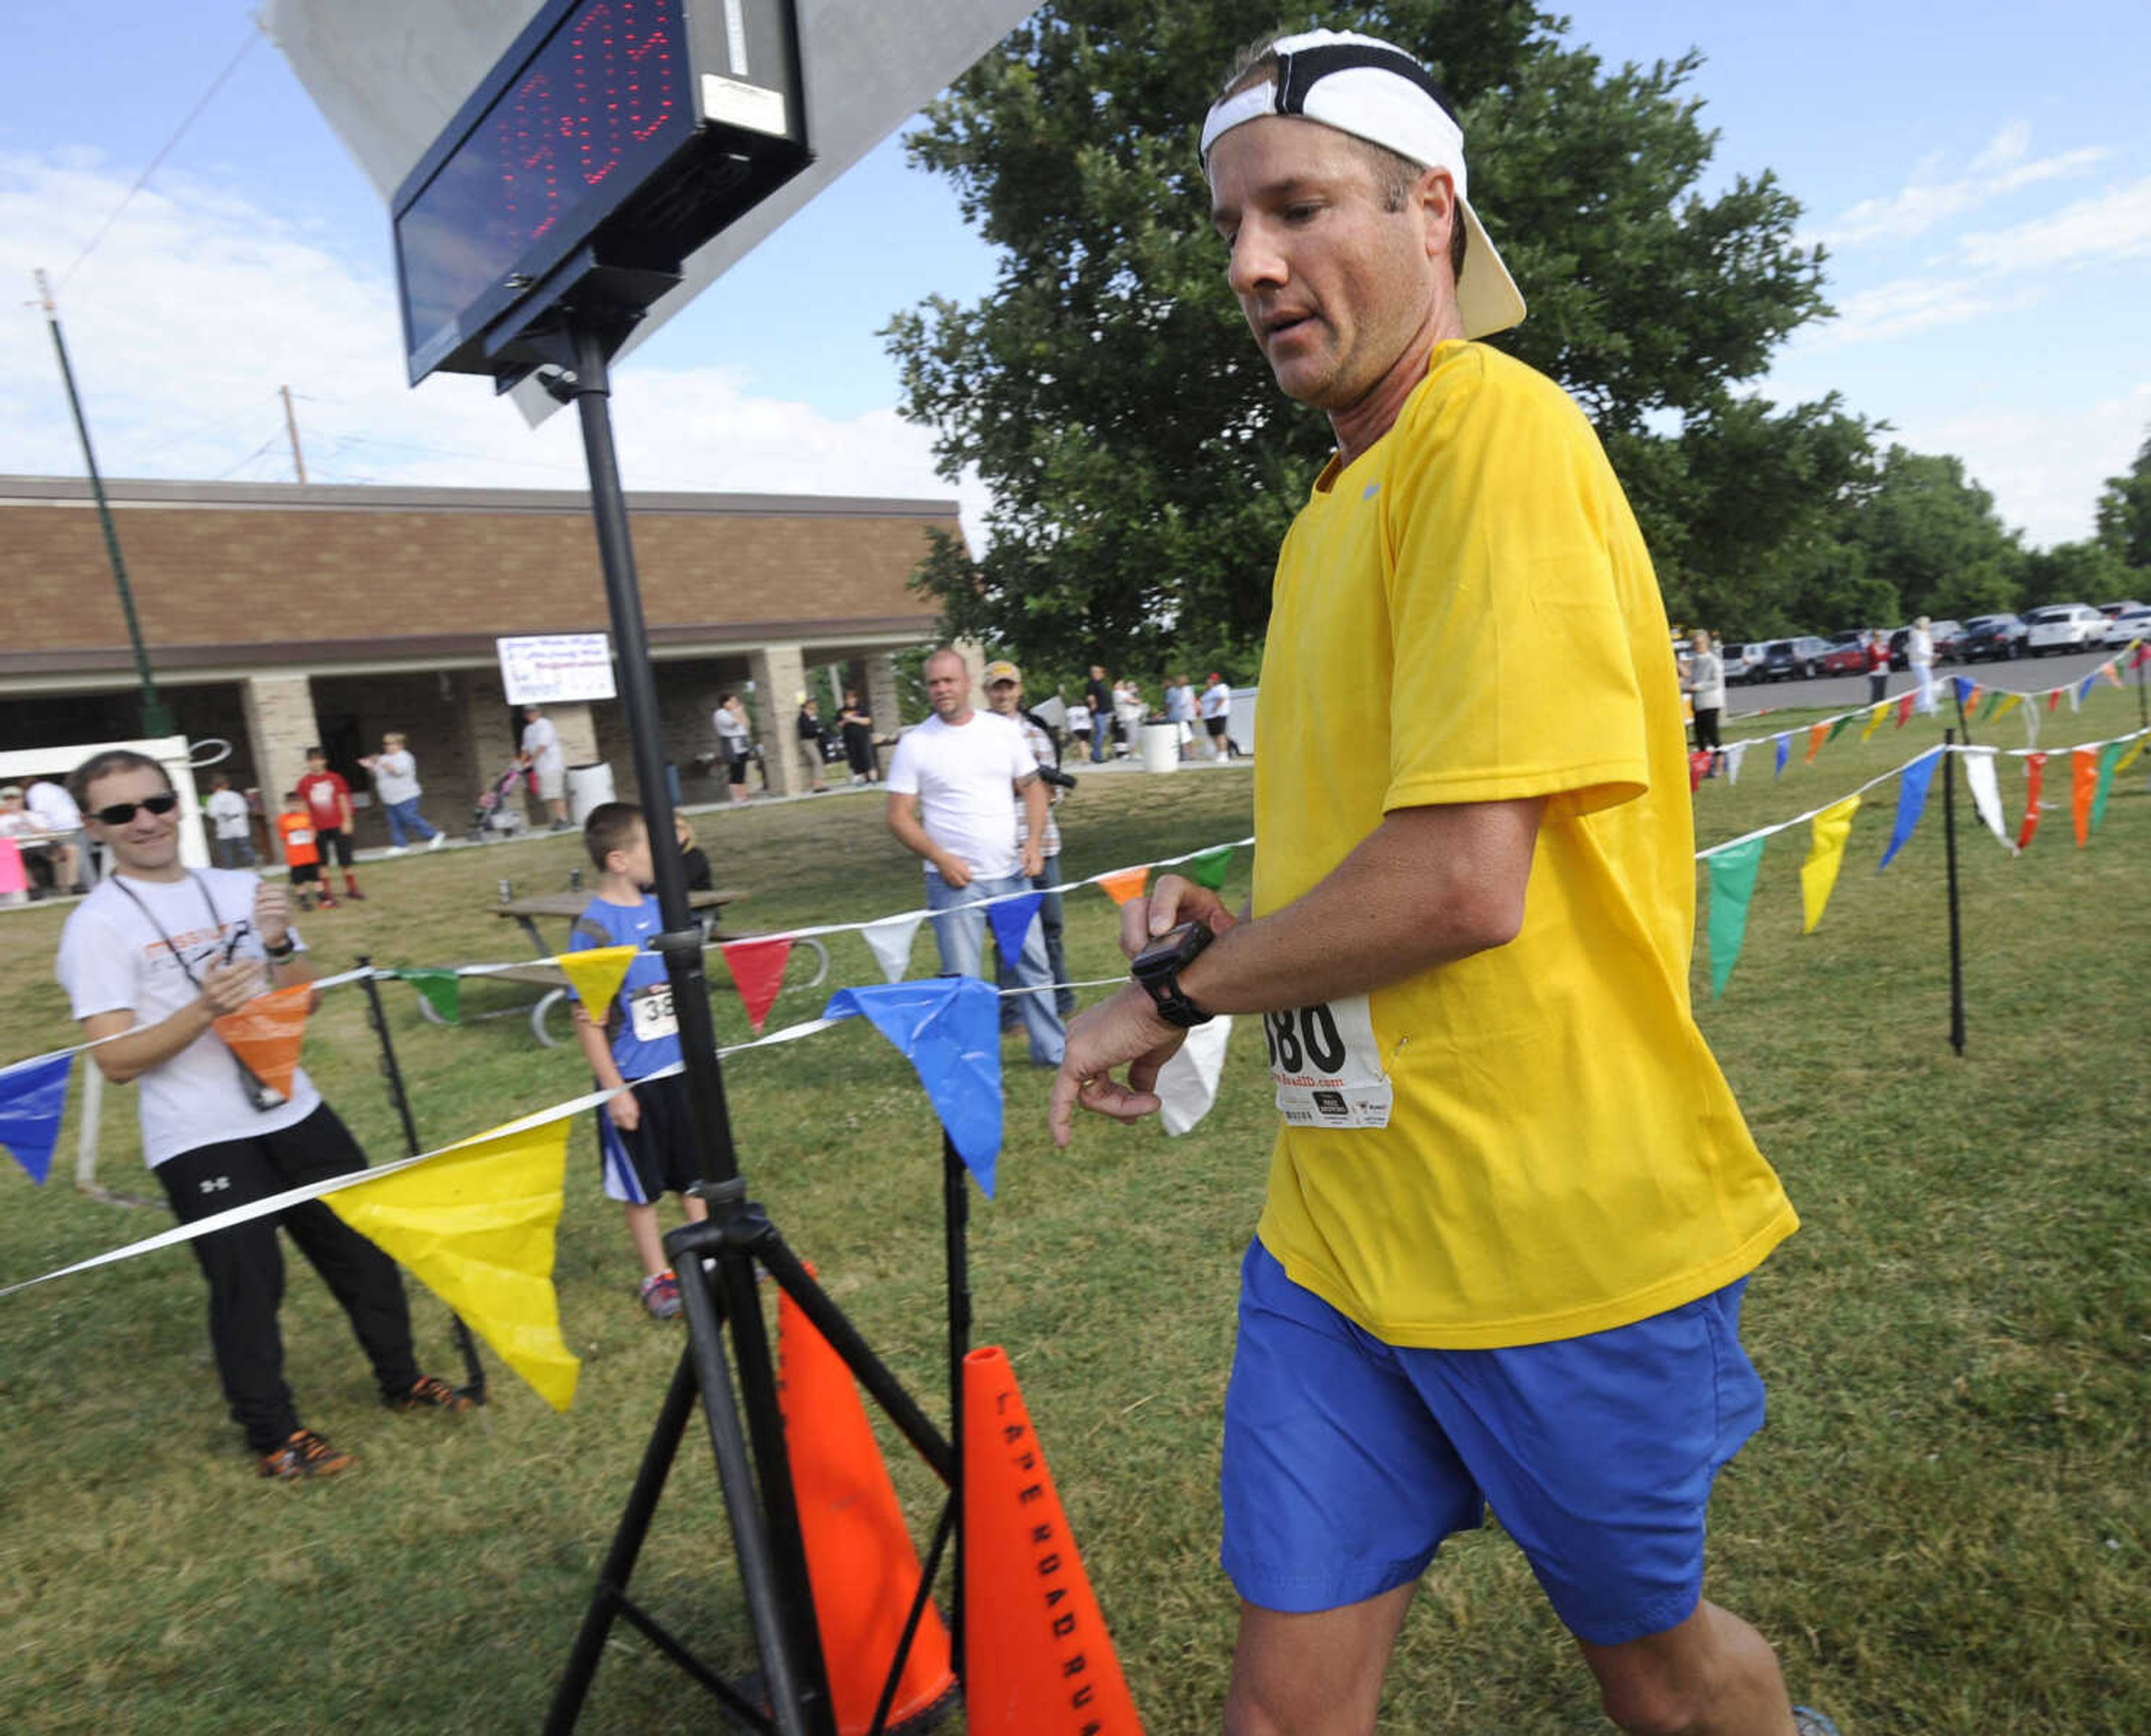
[(150, 960)]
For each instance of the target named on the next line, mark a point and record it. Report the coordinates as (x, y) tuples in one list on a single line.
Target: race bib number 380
[(1328, 1071)]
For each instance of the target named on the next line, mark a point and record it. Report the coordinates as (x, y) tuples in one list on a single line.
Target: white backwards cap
[(1372, 90)]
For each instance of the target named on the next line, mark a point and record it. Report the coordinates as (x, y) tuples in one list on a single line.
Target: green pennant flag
[(1837, 728), (443, 990), (1732, 883), (1993, 698), (2108, 756), (1210, 867)]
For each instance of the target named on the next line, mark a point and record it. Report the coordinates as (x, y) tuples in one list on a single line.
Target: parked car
[(2063, 627), (1792, 660), (1744, 663), (1943, 636), (1995, 637), (2111, 609), (1847, 653), (2132, 624)]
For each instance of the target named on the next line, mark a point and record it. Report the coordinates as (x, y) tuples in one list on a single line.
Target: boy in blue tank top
[(646, 1135)]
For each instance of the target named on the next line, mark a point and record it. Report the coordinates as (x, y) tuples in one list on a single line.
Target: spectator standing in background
[(735, 741), (1878, 666), (1129, 709), (811, 732), (1704, 684), (1216, 705), (1920, 655), (548, 766), (1079, 725), (232, 823), (396, 782), (856, 722), (1005, 694), (1180, 711), (1098, 701), (61, 821)]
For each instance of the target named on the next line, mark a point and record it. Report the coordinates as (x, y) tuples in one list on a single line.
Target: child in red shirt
[(327, 798)]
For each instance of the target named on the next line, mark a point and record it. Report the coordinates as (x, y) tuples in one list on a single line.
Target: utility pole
[(291, 427), (156, 720)]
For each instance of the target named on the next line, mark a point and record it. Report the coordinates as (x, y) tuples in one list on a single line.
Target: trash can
[(1161, 747), (587, 785)]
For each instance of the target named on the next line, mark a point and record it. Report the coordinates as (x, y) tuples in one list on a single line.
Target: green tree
[(1931, 533), (1143, 463), (2086, 572), (2124, 511)]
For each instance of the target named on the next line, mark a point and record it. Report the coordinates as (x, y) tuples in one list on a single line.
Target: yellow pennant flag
[(475, 1226), (2128, 759), (597, 974), (2010, 701), (1825, 857), (1875, 719)]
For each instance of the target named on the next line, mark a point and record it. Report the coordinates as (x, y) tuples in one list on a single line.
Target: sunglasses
[(120, 812)]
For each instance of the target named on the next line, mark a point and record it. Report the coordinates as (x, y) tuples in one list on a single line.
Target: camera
[(1055, 776)]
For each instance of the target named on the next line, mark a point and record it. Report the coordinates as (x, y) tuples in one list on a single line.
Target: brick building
[(279, 614)]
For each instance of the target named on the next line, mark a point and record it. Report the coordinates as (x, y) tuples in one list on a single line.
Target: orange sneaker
[(305, 1456)]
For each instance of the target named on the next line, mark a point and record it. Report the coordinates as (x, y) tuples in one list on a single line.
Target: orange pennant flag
[(2083, 785), (266, 1034), (1125, 883), (757, 968), (597, 973), (1815, 734)]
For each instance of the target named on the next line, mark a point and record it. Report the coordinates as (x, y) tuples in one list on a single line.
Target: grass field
[(1944, 1526)]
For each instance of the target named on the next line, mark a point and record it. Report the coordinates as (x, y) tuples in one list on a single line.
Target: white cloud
[(2113, 225), (2044, 468), (197, 306), (1933, 195), (1906, 306)]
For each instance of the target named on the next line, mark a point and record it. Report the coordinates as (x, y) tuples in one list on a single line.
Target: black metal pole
[(466, 1346), (156, 720), (1949, 844), (956, 1216)]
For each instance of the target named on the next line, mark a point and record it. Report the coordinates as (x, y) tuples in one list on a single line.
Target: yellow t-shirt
[(1466, 613)]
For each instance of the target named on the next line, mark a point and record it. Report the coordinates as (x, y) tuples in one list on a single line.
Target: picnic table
[(565, 907)]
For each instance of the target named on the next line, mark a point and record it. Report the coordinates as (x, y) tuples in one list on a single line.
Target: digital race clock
[(637, 128)]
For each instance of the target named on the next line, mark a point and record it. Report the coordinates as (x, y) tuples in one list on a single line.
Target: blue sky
[(1981, 175)]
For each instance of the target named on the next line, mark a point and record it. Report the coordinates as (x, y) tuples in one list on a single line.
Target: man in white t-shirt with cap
[(540, 751), (1512, 1204)]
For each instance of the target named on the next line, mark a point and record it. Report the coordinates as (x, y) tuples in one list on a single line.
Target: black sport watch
[(1158, 966)]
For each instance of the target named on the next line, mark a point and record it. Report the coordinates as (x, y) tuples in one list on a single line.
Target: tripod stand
[(581, 318)]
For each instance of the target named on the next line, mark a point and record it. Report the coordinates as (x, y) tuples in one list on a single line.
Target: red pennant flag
[(757, 968), (267, 1033), (1125, 884), (1905, 709), (2035, 768), (2053, 697), (2083, 784), (2141, 657), (1698, 768), (1815, 734)]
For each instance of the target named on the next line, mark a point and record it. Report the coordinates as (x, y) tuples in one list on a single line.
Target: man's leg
[(959, 935), (245, 1271), (1313, 1675), (394, 813), (359, 1275), (1052, 919), (1041, 1024), (1713, 1675)]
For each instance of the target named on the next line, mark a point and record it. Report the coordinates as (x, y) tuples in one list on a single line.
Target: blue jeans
[(235, 852), (1051, 923), (404, 818), (1100, 728), (961, 936)]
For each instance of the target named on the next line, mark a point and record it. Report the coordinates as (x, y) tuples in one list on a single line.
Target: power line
[(251, 457), (217, 84)]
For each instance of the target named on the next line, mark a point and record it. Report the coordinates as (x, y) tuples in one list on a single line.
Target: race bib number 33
[(1327, 1068)]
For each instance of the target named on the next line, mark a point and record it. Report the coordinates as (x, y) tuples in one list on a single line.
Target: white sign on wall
[(546, 669)]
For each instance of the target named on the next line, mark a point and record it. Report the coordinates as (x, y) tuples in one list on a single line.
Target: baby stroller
[(498, 810)]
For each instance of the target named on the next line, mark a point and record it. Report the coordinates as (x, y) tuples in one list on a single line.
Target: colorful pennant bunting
[(267, 1033), (1816, 734), (1825, 857), (949, 1028), (1905, 709), (1012, 919), (1210, 869), (1995, 696), (890, 939), (1732, 874), (1698, 768), (1837, 726), (31, 1097), (2129, 758), (1188, 1084), (1874, 717), (443, 990), (597, 973), (757, 968), (1784, 747), (2083, 782), (1733, 756), (2109, 760), (2035, 775), (475, 1225), (1911, 803), (1125, 884), (1986, 795), (1964, 687)]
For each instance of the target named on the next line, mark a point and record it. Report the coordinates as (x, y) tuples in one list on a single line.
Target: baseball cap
[(1002, 670), (1375, 91)]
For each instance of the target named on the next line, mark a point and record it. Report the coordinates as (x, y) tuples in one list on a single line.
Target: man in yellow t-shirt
[(1512, 1204)]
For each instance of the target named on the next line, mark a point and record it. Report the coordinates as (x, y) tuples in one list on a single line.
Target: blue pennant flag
[(2083, 687), (30, 1098), (1963, 685), (1011, 920), (1911, 803), (1784, 747), (949, 1029)]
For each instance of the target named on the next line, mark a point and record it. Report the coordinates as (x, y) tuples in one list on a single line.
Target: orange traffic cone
[(860, 1560), (1037, 1659)]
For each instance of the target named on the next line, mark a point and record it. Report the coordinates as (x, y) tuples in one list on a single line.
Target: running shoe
[(1808, 1722), (429, 1392), (661, 1295), (306, 1454)]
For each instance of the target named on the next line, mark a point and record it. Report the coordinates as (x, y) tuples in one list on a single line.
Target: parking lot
[(2025, 675)]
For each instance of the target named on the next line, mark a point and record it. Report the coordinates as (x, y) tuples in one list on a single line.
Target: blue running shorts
[(1348, 1461)]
